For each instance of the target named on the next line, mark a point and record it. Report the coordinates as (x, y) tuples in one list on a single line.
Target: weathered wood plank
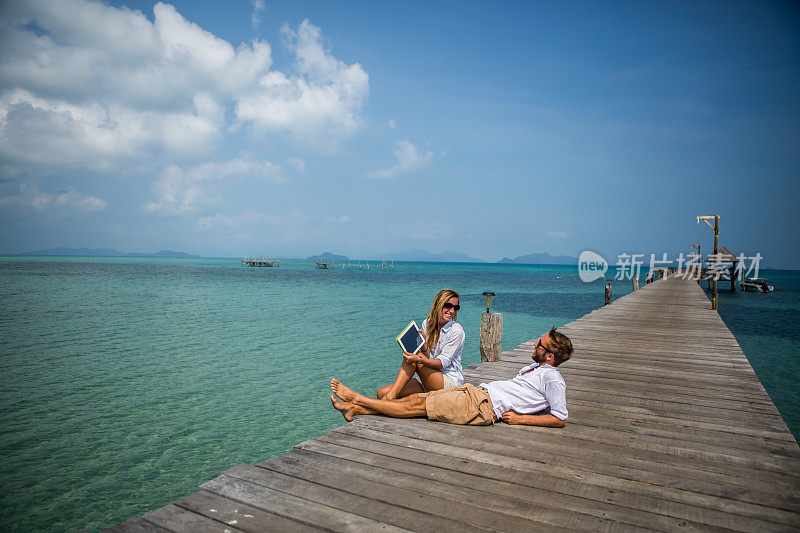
[(291, 506), (672, 472), (180, 520), (561, 479), (508, 496), (463, 512), (238, 514)]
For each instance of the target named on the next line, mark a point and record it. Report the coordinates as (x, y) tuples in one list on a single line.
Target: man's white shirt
[(535, 388)]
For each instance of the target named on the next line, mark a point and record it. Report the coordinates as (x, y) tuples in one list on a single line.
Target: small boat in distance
[(756, 285)]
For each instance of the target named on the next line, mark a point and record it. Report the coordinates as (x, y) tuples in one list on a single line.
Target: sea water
[(126, 382)]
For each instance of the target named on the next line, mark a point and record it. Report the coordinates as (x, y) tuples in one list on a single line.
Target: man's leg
[(408, 407), (351, 410)]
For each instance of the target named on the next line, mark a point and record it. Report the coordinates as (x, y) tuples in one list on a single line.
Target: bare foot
[(343, 392), (347, 409)]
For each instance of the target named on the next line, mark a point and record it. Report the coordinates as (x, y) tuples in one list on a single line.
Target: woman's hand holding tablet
[(410, 339)]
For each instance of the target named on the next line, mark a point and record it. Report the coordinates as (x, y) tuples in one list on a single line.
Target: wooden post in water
[(491, 336), (608, 291), (491, 332)]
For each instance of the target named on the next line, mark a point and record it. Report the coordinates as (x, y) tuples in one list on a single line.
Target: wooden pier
[(261, 262), (669, 429)]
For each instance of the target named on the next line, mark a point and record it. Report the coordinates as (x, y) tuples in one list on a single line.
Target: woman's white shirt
[(448, 351)]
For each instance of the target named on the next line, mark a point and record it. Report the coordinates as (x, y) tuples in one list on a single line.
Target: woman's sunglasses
[(448, 305)]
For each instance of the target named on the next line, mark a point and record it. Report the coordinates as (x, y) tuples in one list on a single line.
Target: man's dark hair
[(560, 346)]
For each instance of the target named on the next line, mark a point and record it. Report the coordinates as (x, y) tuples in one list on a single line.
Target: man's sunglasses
[(545, 348), (448, 305)]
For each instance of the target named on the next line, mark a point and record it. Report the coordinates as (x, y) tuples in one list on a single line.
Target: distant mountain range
[(415, 254), (542, 259), (327, 257), (104, 252)]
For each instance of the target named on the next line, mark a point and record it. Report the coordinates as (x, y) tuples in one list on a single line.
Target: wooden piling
[(491, 336)]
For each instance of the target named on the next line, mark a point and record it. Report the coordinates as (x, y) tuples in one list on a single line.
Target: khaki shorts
[(467, 404)]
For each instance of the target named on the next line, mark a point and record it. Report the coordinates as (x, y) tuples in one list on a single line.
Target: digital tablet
[(409, 339)]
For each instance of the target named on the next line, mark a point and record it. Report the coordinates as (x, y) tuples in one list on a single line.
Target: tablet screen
[(410, 340)]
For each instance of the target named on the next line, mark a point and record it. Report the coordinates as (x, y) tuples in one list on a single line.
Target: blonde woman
[(438, 363)]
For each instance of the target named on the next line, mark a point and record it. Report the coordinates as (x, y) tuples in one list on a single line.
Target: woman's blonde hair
[(437, 309)]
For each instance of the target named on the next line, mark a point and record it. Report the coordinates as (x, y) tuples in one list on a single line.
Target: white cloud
[(66, 200), (98, 136), (344, 219), (392, 125), (409, 158), (216, 224), (321, 105), (297, 163), (90, 85), (259, 227), (557, 235), (258, 8), (179, 191)]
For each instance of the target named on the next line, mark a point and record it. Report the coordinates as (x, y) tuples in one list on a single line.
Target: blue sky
[(491, 129)]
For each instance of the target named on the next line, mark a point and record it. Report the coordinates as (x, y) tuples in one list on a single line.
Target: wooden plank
[(288, 505), (352, 502), (426, 473), (624, 467), (709, 436), (180, 520), (238, 514), (561, 480), (358, 478)]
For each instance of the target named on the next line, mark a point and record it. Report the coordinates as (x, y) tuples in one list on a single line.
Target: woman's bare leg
[(412, 387), (431, 379), (404, 375)]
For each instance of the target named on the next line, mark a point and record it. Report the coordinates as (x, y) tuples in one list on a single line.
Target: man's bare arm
[(550, 421)]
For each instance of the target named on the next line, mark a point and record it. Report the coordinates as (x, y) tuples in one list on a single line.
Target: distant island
[(104, 252), (415, 254), (327, 257), (542, 259)]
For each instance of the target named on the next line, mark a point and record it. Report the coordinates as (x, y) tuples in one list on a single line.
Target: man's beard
[(539, 358)]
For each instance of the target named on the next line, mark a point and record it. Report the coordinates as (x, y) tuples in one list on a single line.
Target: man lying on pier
[(536, 396)]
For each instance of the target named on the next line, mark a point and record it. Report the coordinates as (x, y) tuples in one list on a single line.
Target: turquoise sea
[(126, 382)]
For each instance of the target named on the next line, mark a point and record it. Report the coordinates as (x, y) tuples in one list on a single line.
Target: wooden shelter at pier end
[(723, 257)]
